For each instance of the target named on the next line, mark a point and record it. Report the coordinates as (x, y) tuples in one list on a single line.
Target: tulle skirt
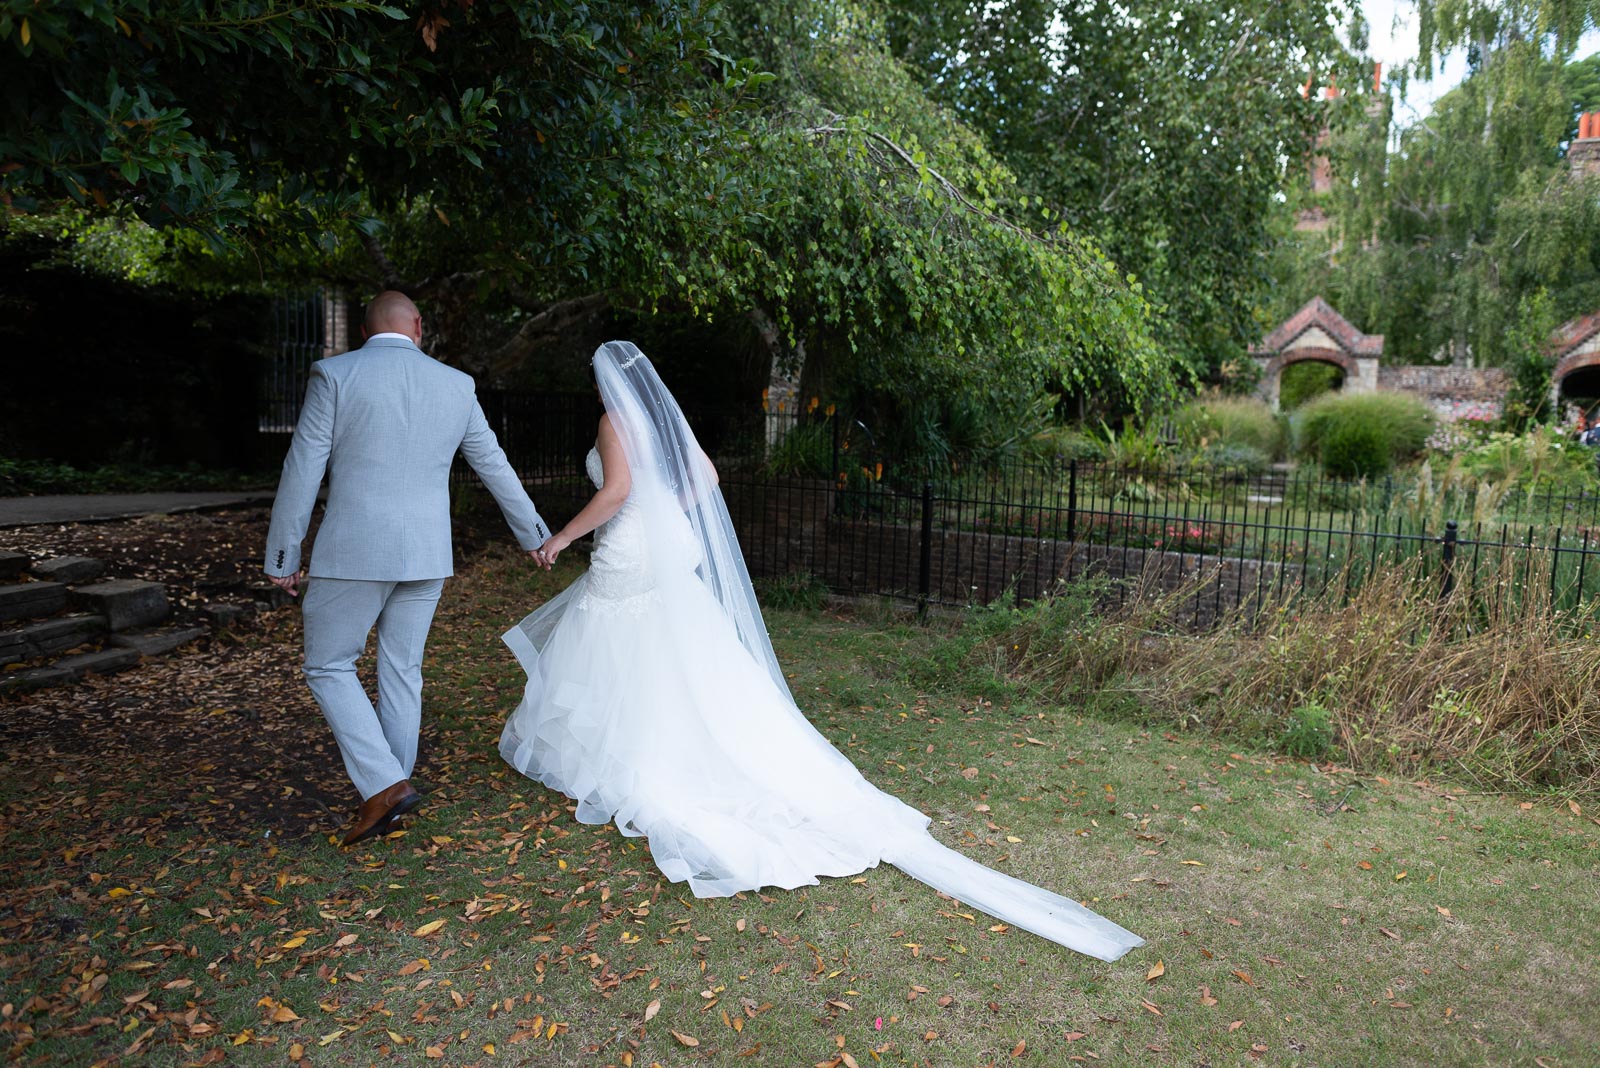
[(662, 722), (647, 710)]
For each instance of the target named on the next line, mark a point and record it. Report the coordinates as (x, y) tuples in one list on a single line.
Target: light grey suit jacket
[(384, 422)]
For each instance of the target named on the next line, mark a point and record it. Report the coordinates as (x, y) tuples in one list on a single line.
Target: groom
[(384, 423)]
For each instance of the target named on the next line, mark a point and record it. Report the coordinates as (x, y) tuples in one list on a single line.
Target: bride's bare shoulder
[(607, 441)]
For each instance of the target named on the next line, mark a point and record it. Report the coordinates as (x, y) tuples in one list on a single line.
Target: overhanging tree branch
[(548, 325), (951, 189)]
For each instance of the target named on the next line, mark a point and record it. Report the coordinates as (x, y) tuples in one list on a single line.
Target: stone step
[(70, 569), (70, 669), (49, 636), (157, 641), (13, 564), (29, 600), (126, 603), (222, 614)]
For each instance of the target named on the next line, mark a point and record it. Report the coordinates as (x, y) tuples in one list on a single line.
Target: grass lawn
[(171, 893)]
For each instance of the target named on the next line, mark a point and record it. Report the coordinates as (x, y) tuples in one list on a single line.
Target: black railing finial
[(1448, 559)]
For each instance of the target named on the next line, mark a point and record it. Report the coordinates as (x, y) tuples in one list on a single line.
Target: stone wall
[(1452, 392)]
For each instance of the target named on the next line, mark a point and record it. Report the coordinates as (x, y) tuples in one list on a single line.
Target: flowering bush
[(1470, 425)]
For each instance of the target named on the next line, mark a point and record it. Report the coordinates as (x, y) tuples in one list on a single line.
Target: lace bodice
[(619, 570)]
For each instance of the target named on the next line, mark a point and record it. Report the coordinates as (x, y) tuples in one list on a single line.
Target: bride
[(654, 698)]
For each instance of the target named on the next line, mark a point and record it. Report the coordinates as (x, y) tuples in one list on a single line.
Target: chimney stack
[(1583, 152)]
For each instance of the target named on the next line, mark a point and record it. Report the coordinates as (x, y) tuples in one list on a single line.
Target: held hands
[(545, 555)]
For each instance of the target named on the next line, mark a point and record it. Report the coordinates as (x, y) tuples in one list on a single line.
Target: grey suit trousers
[(379, 744)]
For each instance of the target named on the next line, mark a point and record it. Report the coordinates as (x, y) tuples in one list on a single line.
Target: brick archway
[(1341, 360), (1576, 361), (1576, 347), (1576, 377), (1318, 333)]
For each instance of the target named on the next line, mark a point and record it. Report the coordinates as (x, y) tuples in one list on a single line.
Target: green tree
[(1160, 128), (902, 261), (223, 115), (469, 151)]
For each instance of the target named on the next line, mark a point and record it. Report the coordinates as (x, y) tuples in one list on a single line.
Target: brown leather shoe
[(379, 812)]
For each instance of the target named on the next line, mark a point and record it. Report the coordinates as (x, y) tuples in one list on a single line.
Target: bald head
[(392, 311)]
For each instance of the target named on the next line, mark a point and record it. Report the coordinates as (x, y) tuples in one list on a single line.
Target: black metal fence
[(1235, 540), (297, 340), (544, 435)]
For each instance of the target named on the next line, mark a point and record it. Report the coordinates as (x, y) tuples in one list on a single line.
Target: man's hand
[(290, 584)]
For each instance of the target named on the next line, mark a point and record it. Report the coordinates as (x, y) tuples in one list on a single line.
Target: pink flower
[(877, 1025)]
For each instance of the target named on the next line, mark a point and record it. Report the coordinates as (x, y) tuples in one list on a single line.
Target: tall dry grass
[(1491, 684)]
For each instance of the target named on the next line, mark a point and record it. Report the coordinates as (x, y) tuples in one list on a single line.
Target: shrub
[(1064, 443), (1309, 732), (1493, 684), (1502, 691), (1243, 422), (1139, 447), (798, 590), (806, 451), (1400, 422), (1355, 450), (1238, 457), (1542, 460), (25, 478)]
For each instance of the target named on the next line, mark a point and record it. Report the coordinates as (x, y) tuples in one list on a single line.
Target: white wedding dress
[(646, 704)]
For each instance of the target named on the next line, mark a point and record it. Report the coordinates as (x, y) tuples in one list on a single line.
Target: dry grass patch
[(1491, 684), (1399, 679)]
